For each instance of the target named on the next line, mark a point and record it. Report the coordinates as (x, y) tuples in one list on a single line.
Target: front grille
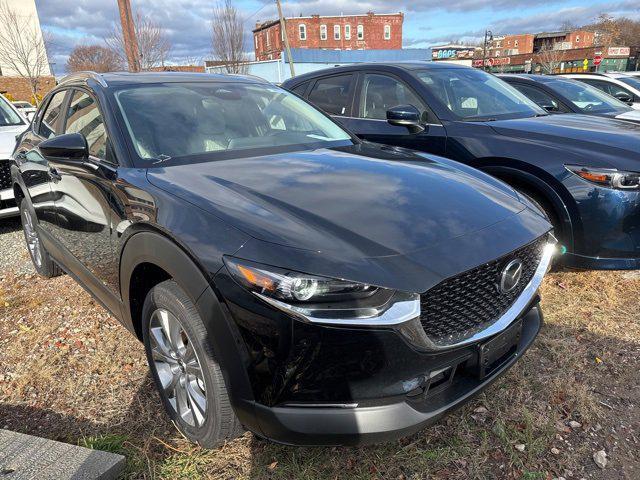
[(461, 306), (5, 174)]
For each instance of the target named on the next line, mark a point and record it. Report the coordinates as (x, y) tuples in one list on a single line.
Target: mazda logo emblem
[(510, 275)]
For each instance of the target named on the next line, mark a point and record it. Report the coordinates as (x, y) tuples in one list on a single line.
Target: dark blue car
[(565, 95), (581, 170)]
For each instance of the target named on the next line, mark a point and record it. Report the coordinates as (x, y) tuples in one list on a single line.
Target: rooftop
[(269, 23), (127, 78)]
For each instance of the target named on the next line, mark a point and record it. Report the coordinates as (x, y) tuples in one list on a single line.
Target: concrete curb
[(24, 457)]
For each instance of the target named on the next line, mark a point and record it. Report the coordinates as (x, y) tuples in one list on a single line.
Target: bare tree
[(227, 37), (94, 57), (22, 47), (153, 45), (550, 59)]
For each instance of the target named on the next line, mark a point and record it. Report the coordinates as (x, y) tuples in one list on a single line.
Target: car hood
[(606, 141), (629, 116), (357, 201), (8, 139)]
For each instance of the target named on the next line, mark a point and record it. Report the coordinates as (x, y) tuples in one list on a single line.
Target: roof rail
[(84, 76)]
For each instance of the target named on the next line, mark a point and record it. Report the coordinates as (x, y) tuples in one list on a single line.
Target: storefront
[(578, 60)]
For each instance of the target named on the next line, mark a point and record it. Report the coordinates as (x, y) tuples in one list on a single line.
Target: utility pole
[(129, 35), (488, 36), (283, 29)]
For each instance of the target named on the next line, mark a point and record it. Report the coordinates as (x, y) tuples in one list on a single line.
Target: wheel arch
[(151, 252), (542, 184)]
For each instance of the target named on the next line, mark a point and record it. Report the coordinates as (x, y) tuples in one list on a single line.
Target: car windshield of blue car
[(218, 120), (587, 98), (474, 95), (8, 116), (632, 81)]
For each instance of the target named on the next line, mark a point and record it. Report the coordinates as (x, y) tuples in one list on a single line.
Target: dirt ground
[(69, 371)]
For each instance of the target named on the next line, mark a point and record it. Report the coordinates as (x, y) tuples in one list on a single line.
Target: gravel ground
[(69, 371), (14, 256)]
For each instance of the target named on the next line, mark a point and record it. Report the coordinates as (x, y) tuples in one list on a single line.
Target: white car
[(25, 108), (12, 123), (623, 86)]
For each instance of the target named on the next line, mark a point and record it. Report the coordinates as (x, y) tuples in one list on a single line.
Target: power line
[(256, 12)]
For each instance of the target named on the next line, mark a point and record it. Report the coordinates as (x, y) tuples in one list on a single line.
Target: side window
[(541, 98), (84, 117), (51, 115), (381, 92), (333, 94), (300, 89)]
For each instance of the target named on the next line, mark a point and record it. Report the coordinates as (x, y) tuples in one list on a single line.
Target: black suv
[(283, 276), (583, 172)]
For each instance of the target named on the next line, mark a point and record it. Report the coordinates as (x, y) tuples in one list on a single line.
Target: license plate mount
[(495, 352)]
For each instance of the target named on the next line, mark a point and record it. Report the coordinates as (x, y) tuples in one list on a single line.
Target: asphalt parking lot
[(69, 371)]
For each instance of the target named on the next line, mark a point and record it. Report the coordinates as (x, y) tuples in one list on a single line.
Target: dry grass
[(69, 371)]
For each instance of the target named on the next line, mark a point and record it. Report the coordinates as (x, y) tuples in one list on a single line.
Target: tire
[(184, 367), (42, 261)]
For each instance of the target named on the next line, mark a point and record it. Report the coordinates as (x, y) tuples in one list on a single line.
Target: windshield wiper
[(161, 158), (480, 119)]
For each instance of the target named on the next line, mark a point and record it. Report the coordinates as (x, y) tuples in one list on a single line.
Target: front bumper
[(8, 206), (388, 418)]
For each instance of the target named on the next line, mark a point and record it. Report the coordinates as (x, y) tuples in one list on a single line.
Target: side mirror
[(70, 147), (405, 116), (624, 97)]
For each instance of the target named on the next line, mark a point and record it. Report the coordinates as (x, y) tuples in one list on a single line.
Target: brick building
[(526, 43), (345, 32)]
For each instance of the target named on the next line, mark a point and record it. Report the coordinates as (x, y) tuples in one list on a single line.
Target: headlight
[(607, 177), (324, 300)]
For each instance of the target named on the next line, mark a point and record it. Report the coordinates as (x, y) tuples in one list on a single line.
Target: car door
[(35, 170), (83, 193), (376, 93), (541, 97)]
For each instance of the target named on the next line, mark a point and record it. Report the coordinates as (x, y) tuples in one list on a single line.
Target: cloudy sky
[(427, 22)]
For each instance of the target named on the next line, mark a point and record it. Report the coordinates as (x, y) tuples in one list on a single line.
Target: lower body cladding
[(320, 384)]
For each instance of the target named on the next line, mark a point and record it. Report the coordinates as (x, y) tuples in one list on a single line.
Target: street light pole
[(283, 29), (487, 36)]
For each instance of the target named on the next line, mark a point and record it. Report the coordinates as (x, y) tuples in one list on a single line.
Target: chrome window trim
[(407, 310)]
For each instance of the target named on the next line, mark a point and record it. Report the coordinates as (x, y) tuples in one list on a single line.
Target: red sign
[(597, 60)]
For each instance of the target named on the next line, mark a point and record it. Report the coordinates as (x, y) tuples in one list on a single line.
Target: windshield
[(8, 116), (176, 120), (472, 94), (633, 81), (587, 98)]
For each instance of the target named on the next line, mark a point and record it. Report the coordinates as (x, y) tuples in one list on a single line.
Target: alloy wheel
[(178, 367), (33, 241)]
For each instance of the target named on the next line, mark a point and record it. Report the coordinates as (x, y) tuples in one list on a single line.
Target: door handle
[(54, 174)]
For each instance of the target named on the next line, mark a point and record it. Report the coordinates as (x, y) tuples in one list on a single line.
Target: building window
[(347, 32), (360, 32), (302, 31), (387, 32), (577, 38), (515, 44), (336, 32), (323, 32), (268, 39)]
